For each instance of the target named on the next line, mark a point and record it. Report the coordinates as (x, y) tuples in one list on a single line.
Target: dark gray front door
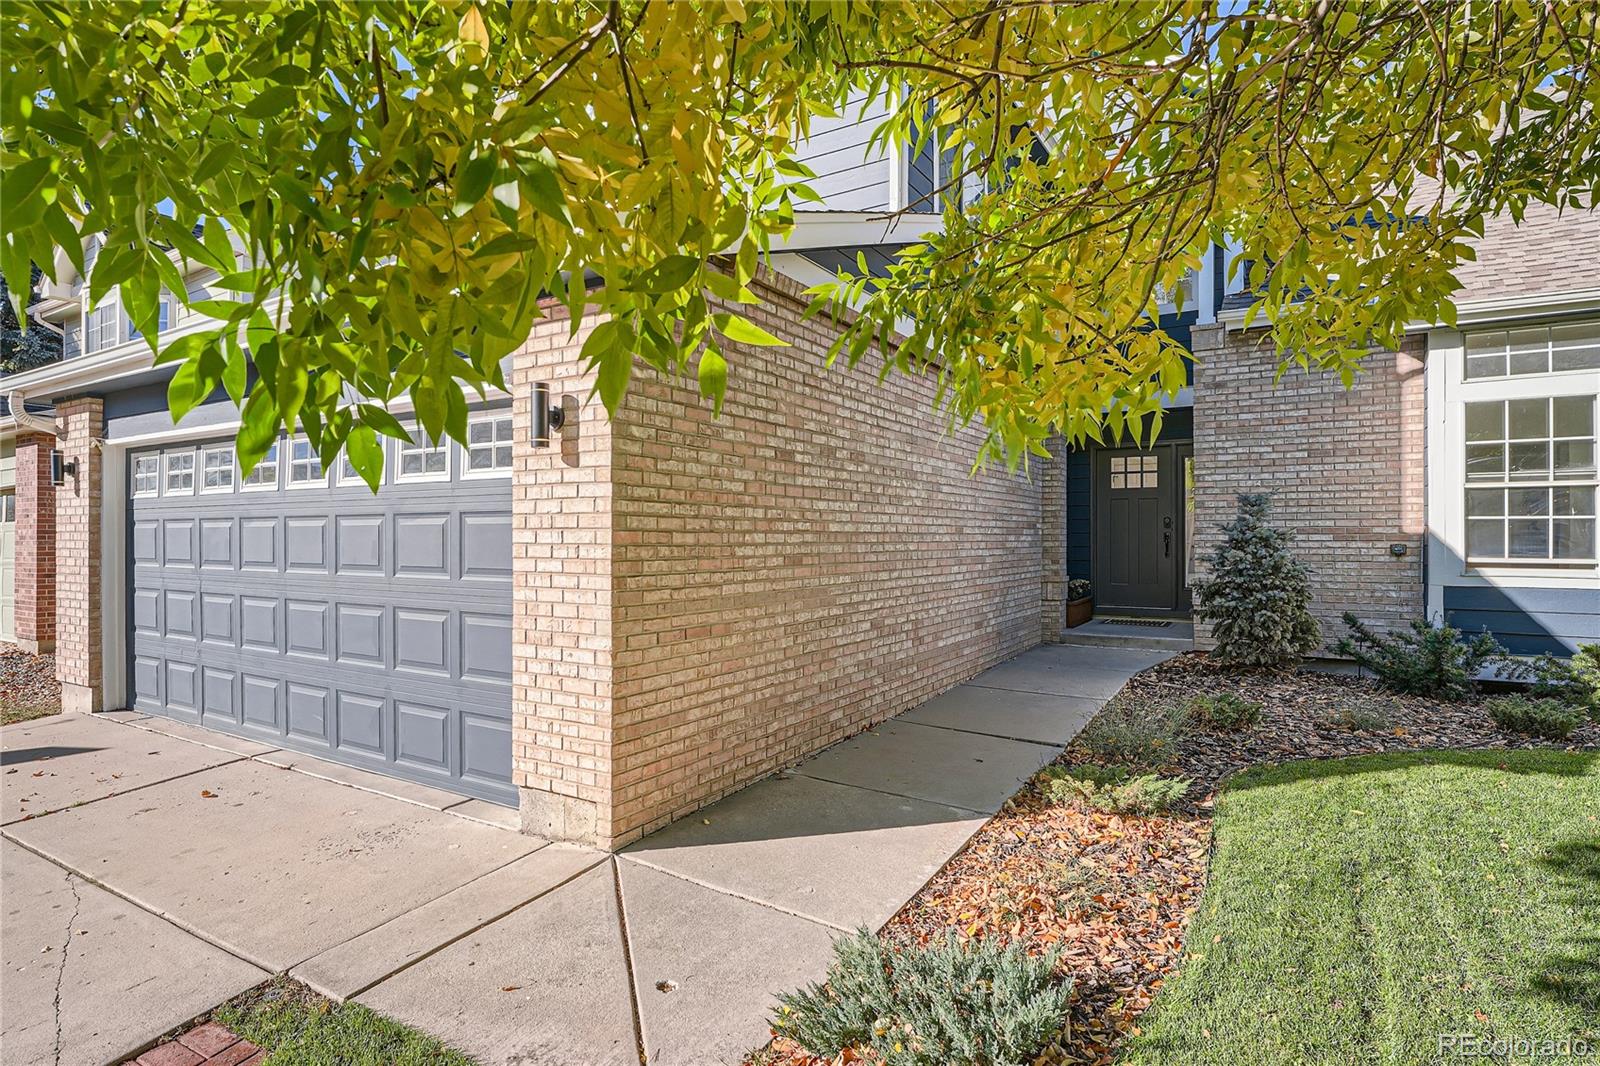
[(1139, 528), (307, 612)]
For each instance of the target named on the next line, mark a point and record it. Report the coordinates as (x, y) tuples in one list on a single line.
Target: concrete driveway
[(151, 871)]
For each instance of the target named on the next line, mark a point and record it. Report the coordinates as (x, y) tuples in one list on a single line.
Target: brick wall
[(562, 599), (1345, 468), (815, 560), (35, 607), (80, 423), (1052, 477)]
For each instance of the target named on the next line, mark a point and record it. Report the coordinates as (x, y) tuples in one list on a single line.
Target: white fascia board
[(1482, 312), (834, 229)]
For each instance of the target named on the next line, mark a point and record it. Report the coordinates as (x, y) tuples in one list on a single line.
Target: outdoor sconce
[(546, 417), (60, 468)]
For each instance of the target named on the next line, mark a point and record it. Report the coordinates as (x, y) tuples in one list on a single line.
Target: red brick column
[(36, 544), (78, 636)]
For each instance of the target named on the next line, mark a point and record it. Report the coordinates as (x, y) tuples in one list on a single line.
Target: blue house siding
[(1528, 621)]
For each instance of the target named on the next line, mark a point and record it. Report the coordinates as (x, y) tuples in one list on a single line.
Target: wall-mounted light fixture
[(546, 417), (60, 468)]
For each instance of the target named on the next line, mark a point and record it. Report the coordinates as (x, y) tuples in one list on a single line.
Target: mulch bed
[(1115, 893), (28, 685)]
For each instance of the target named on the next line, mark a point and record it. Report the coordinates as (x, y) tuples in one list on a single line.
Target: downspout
[(25, 419), (15, 399)]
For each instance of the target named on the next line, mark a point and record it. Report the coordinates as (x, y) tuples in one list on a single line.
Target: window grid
[(1534, 350), (421, 459), (305, 465), (147, 475), (217, 469), (489, 449), (265, 475), (1134, 471), (180, 473), (1531, 480)]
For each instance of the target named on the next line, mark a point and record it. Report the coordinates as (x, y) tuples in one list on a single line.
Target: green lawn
[(1357, 908), (297, 1027)]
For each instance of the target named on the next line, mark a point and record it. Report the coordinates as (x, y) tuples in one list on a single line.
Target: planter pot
[(1079, 611)]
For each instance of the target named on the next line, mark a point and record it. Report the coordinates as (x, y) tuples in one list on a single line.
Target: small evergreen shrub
[(1547, 718), (1112, 790), (1256, 594), (1079, 589), (1226, 711), (1429, 660), (1132, 733), (1574, 681), (1061, 784), (946, 1004)]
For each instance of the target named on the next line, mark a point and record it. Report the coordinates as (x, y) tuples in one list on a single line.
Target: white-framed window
[(100, 330), (217, 467), (180, 473), (1533, 350), (8, 507), (1530, 480), (421, 459), (265, 475), (488, 445), (166, 308), (305, 465), (147, 475)]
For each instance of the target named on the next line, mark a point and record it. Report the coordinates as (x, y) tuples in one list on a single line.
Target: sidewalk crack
[(66, 949), (627, 961)]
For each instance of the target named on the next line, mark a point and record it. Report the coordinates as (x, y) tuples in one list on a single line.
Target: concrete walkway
[(151, 871)]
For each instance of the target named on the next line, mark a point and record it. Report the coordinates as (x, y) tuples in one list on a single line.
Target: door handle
[(1166, 544)]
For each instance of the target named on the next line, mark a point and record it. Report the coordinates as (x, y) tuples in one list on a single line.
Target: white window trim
[(418, 434), (200, 470), (160, 476), (166, 472), (287, 464), (1448, 394), (469, 474), (265, 486)]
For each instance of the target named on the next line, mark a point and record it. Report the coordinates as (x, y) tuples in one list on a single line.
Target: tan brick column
[(35, 544), (562, 592), (1051, 474), (78, 637)]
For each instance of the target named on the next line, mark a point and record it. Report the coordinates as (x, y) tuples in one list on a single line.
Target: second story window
[(163, 319), (101, 331)]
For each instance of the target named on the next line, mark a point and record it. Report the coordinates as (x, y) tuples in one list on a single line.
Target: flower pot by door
[(1079, 612)]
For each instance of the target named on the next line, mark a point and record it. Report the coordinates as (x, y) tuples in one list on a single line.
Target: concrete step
[(1097, 634)]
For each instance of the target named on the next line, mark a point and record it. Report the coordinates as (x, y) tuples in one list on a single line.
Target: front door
[(1139, 518)]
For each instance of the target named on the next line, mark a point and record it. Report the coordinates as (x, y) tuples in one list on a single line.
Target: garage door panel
[(358, 545), (422, 641), (375, 631), (217, 619), (177, 542), (258, 544), (145, 542), (219, 702), (218, 544), (305, 629), (421, 545), (259, 623), (261, 701), (486, 546), (305, 543)]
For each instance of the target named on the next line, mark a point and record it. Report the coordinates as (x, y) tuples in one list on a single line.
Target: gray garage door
[(303, 610)]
